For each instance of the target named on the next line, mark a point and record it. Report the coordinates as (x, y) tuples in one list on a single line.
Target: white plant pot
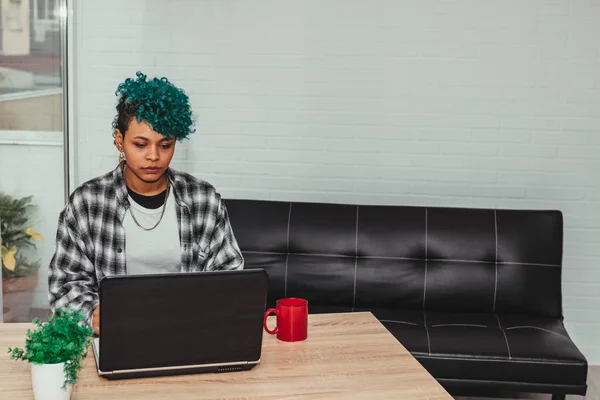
[(47, 381)]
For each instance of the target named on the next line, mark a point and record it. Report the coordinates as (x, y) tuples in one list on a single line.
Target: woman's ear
[(119, 140)]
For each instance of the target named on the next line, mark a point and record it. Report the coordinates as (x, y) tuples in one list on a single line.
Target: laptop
[(171, 324)]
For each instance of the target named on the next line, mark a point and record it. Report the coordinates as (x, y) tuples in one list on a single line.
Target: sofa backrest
[(344, 257)]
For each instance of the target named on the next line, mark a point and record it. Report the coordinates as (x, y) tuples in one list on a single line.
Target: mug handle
[(269, 311)]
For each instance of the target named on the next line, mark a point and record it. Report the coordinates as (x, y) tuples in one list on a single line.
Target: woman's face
[(147, 153)]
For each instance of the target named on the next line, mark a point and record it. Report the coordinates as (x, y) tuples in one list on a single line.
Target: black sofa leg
[(558, 397)]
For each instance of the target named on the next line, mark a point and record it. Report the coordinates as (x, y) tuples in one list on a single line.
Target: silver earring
[(121, 159)]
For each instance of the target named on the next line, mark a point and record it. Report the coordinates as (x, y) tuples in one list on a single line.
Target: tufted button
[(185, 246), (120, 250)]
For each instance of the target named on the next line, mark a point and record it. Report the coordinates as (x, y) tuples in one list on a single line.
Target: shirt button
[(120, 250)]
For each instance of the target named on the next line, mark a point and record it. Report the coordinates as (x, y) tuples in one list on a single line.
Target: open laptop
[(170, 324)]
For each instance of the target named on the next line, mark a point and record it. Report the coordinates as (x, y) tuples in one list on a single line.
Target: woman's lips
[(151, 170)]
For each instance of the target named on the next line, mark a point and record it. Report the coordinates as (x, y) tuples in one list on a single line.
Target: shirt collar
[(121, 188)]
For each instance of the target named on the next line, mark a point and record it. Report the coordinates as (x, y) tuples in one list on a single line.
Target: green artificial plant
[(16, 236), (64, 338)]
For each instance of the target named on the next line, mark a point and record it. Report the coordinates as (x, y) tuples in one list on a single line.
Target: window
[(31, 151), (46, 10)]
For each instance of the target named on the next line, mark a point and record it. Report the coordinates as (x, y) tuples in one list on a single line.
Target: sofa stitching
[(495, 260), (400, 258), (355, 261), (426, 331), (507, 346), (426, 255), (425, 284), (505, 338), (397, 321), (476, 326), (557, 385), (535, 327), (463, 358), (472, 325), (288, 228)]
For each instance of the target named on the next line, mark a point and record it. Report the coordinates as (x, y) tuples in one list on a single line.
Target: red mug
[(292, 319)]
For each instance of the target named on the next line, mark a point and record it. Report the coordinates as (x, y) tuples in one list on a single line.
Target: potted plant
[(56, 350), (19, 275)]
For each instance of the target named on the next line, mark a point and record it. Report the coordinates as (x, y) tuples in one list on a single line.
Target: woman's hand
[(96, 320)]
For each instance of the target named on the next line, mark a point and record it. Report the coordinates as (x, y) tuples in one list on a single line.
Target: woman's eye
[(166, 146), (140, 145)]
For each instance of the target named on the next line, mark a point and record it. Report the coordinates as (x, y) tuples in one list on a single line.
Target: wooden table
[(346, 356)]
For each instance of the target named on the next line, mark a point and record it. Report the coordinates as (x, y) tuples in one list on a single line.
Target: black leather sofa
[(473, 294)]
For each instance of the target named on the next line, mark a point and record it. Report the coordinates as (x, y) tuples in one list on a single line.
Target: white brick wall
[(454, 103)]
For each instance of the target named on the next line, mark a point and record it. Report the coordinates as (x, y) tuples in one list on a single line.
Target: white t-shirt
[(155, 251)]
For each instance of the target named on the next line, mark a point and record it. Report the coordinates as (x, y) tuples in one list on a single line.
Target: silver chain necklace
[(161, 214)]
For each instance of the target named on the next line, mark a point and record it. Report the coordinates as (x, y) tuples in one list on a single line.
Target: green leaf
[(63, 338), (15, 215)]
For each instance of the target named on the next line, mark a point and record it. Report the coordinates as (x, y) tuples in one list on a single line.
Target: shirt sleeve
[(71, 277), (224, 252)]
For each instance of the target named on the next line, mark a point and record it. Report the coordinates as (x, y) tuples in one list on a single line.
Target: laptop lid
[(179, 320)]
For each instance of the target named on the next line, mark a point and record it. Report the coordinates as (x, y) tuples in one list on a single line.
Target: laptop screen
[(170, 320)]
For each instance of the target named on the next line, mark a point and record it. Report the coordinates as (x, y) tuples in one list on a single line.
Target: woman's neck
[(144, 188)]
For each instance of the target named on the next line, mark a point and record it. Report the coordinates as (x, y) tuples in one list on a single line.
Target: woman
[(142, 217)]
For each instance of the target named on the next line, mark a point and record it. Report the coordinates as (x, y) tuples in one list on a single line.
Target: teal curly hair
[(158, 102)]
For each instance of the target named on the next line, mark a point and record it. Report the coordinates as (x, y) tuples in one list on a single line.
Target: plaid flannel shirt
[(90, 239)]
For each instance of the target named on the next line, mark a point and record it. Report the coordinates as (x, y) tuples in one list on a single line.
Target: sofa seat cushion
[(475, 346)]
